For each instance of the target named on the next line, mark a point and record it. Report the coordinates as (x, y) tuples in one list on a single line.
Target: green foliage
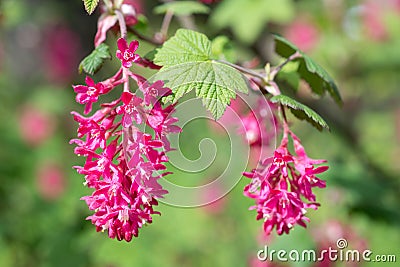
[(318, 79), (187, 65), (301, 111), (93, 62), (90, 5), (213, 81), (184, 47), (222, 48), (182, 8), (247, 18)]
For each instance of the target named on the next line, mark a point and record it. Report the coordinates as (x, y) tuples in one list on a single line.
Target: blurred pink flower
[(136, 4), (35, 126), (328, 234), (303, 33), (61, 56), (228, 119), (213, 200), (373, 16), (50, 181)]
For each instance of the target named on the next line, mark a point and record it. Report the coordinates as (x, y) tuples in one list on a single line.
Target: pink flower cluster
[(281, 184), (123, 163)]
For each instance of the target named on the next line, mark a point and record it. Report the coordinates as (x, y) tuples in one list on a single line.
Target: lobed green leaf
[(216, 83), (185, 46), (187, 65)]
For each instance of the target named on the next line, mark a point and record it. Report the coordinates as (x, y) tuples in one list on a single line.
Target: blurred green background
[(42, 220)]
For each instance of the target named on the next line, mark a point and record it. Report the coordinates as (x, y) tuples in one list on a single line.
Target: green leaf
[(248, 18), (318, 79), (216, 83), (182, 8), (187, 65), (93, 62), (185, 46), (301, 111), (90, 5)]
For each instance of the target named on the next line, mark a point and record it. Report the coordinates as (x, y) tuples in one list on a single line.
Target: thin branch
[(278, 68), (242, 69), (145, 38)]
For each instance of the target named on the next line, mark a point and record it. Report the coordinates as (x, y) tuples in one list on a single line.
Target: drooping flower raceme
[(123, 164), (282, 186)]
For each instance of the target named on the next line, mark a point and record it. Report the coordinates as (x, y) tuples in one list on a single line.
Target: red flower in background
[(62, 49), (35, 125), (328, 235), (373, 20), (303, 33), (50, 181)]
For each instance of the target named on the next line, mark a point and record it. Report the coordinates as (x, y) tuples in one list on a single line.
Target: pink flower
[(327, 235), (162, 123), (35, 126), (101, 166), (62, 48), (123, 164), (155, 92), (303, 33), (279, 185), (89, 93), (50, 181), (130, 109), (94, 128), (373, 20), (127, 54), (121, 207)]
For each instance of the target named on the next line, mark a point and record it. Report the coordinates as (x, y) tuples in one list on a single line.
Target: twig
[(145, 38), (278, 68), (242, 69)]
